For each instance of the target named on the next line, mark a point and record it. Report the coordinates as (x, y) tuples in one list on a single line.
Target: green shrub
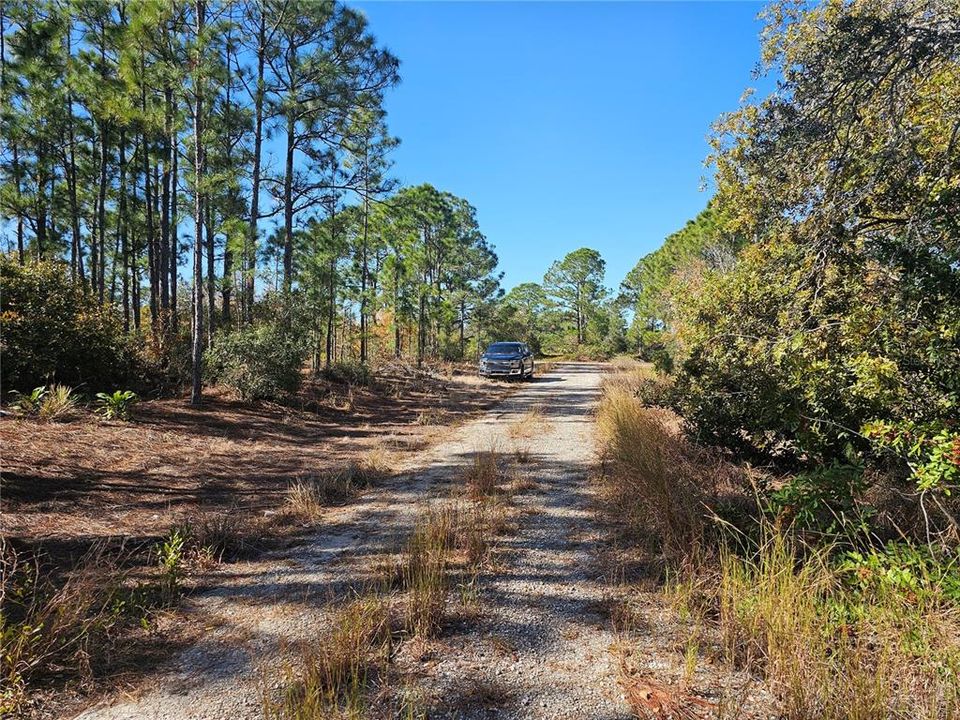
[(259, 362), (51, 329), (116, 405), (905, 569), (58, 403), (349, 372), (824, 500), (28, 403)]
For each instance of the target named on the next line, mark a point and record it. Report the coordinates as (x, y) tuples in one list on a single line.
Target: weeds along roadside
[(349, 672), (66, 626), (835, 633)]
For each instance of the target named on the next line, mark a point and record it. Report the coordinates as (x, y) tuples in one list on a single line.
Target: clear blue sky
[(566, 124)]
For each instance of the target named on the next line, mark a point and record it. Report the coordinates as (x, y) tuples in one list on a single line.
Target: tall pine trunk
[(165, 206), (101, 213), (122, 232), (197, 346), (76, 251), (251, 250), (288, 208), (211, 273), (174, 223)]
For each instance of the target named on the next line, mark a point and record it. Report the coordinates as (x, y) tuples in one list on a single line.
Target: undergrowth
[(837, 630)]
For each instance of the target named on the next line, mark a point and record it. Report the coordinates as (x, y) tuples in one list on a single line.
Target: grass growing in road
[(483, 475), (426, 571), (333, 675)]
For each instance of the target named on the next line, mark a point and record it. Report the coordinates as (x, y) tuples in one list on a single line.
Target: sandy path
[(543, 606)]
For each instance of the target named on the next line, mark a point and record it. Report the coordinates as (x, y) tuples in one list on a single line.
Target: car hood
[(501, 356)]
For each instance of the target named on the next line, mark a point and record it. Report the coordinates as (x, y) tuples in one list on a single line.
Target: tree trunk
[(197, 348), (16, 172), (41, 199), (165, 208), (101, 211), (122, 232), (76, 251), (211, 274), (288, 209), (396, 308), (251, 249), (174, 223), (463, 322), (152, 253)]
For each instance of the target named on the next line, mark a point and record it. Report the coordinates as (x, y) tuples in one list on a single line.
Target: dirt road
[(540, 645)]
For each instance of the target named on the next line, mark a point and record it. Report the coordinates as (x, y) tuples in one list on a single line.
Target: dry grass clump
[(433, 416), (308, 497), (334, 674), (426, 571), (641, 381), (64, 626), (531, 424), (212, 537), (483, 475), (657, 480), (521, 455), (474, 534)]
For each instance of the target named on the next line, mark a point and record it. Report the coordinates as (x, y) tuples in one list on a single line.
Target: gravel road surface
[(540, 647)]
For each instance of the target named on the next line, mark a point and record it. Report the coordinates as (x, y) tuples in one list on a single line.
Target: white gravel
[(540, 648)]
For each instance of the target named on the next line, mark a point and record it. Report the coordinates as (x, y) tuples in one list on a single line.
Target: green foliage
[(842, 312), (650, 287), (116, 405), (349, 373), (52, 329), (28, 403), (259, 362), (575, 285), (904, 569), (170, 557), (826, 500)]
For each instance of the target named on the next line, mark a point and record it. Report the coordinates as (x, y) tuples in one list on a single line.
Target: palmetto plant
[(28, 403), (116, 405)]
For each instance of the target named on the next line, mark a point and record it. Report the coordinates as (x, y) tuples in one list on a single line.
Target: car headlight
[(515, 363)]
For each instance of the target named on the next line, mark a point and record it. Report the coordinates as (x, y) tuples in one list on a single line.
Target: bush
[(827, 651), (349, 372), (116, 405), (51, 329), (258, 363), (824, 500)]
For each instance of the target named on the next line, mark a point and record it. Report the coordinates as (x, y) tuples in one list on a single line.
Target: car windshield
[(500, 348)]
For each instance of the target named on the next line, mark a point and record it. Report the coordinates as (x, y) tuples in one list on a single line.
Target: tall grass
[(828, 648), (651, 474), (832, 652), (63, 626), (333, 675), (483, 475), (426, 571)]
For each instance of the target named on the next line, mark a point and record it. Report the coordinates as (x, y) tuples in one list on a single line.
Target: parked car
[(507, 359)]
